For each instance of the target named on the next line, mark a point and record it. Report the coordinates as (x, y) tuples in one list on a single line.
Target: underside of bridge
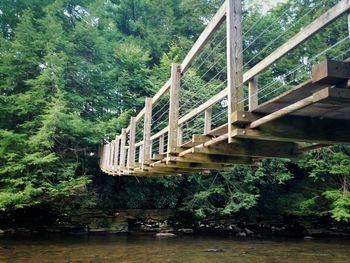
[(314, 114)]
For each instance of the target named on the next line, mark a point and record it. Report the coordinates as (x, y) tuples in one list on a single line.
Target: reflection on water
[(179, 249)]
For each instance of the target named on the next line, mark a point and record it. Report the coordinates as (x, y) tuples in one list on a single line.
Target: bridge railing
[(150, 138)]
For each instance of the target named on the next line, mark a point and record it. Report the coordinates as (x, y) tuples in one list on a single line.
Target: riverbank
[(168, 222)]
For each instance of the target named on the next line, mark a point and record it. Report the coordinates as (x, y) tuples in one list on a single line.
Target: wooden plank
[(141, 154), (309, 31), (213, 100), (174, 106), (216, 159), (253, 93), (196, 139), (300, 129), (252, 148), (122, 149), (219, 130), (331, 72), (147, 131), (194, 166), (131, 152), (234, 58), (158, 156), (243, 118), (140, 115), (207, 120), (293, 95), (211, 28)]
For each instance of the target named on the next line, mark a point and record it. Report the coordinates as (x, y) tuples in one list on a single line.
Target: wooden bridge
[(313, 114)]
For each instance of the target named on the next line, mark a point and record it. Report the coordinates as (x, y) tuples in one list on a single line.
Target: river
[(149, 249)]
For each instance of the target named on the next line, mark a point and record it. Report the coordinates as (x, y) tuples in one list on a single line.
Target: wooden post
[(116, 154), (107, 156), (253, 93), (111, 156), (179, 135), (161, 144), (349, 23), (131, 152), (102, 161), (234, 59), (174, 107), (147, 132), (141, 154), (122, 150), (207, 120)]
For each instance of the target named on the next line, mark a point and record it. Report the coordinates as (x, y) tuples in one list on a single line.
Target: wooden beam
[(189, 165), (131, 152), (160, 133), (116, 153), (161, 144), (300, 129), (147, 132), (211, 28), (179, 135), (309, 31), (252, 148), (207, 120), (331, 72), (158, 157), (174, 106), (122, 149), (234, 57), (209, 159), (253, 93)]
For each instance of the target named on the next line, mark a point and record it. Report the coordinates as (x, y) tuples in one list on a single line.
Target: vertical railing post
[(179, 135), (116, 154), (253, 93), (108, 152), (174, 107), (111, 157), (102, 161), (147, 132), (122, 150), (141, 154), (131, 152), (234, 59), (207, 120), (349, 24), (161, 144)]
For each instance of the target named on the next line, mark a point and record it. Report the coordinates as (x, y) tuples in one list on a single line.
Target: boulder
[(165, 235), (186, 230)]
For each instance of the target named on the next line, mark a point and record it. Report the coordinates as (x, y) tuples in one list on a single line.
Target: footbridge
[(221, 107)]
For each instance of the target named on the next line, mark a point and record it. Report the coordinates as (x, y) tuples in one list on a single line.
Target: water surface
[(136, 248)]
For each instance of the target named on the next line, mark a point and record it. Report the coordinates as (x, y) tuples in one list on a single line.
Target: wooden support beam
[(122, 149), (147, 132), (331, 72), (161, 144), (158, 157), (310, 30), (300, 129), (252, 148), (174, 106), (141, 154), (195, 166), (116, 153), (209, 159), (243, 118), (207, 120), (179, 135), (131, 152), (253, 93), (234, 58)]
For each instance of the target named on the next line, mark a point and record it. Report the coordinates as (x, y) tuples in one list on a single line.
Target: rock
[(165, 235), (215, 250), (248, 231), (308, 238), (23, 230), (241, 234), (10, 231), (186, 230)]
